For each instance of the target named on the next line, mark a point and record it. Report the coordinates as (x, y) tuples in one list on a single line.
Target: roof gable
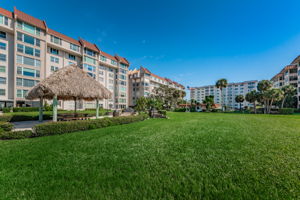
[(29, 19)]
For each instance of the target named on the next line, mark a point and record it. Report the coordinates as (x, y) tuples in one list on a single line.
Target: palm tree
[(252, 97), (272, 95), (288, 90), (209, 102), (240, 99), (221, 84), (263, 86)]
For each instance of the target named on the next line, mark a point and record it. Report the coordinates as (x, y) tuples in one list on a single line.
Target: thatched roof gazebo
[(68, 83)]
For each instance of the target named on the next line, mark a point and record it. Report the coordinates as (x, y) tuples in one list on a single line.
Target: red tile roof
[(158, 77), (296, 60), (122, 60), (63, 37), (89, 45), (288, 67), (146, 70), (108, 55), (6, 13), (29, 19)]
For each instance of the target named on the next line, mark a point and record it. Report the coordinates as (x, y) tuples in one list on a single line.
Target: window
[(123, 77), (89, 52), (54, 51), (2, 92), (26, 82), (123, 66), (74, 47), (103, 58), (28, 61), (2, 57), (28, 39), (19, 82), (113, 62), (101, 72), (102, 67), (111, 81), (2, 46), (89, 60), (2, 35), (55, 40), (21, 93), (28, 72), (101, 79), (92, 75), (2, 69), (111, 75), (89, 67), (54, 69), (2, 81), (28, 50), (54, 59), (72, 57), (28, 28)]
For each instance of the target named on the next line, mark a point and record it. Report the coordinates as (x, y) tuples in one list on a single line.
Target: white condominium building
[(289, 75), (142, 82), (228, 95), (31, 51)]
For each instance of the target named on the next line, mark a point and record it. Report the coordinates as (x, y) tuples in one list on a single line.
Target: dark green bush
[(6, 110), (54, 128), (5, 118), (179, 110), (163, 112), (25, 109), (15, 134), (6, 126), (286, 111)]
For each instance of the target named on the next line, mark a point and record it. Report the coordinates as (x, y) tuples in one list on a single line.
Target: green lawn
[(189, 156)]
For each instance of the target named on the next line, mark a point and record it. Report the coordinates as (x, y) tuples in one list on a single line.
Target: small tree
[(253, 97), (240, 99), (271, 96), (264, 86), (221, 84), (141, 104), (288, 91), (209, 102)]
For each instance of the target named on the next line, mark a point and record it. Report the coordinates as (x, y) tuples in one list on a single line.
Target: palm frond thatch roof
[(68, 83)]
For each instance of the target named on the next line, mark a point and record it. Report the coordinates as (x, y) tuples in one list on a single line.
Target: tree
[(169, 96), (141, 104), (221, 84), (253, 97), (240, 99), (271, 96), (264, 86), (209, 102), (288, 91)]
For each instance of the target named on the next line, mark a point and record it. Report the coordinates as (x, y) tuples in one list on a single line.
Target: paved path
[(26, 125)]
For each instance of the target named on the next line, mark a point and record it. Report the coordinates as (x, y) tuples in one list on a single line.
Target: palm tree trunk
[(283, 100), (254, 107)]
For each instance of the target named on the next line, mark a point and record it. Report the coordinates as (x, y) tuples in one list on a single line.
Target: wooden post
[(75, 104), (97, 109), (41, 110), (55, 108)]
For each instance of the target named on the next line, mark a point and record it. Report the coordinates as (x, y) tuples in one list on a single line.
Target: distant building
[(228, 95), (142, 82)]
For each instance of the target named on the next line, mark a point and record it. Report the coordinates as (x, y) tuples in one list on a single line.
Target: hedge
[(286, 111), (22, 117), (6, 109), (54, 128), (15, 134), (25, 109), (5, 126)]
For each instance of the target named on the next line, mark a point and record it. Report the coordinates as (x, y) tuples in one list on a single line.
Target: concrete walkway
[(26, 125)]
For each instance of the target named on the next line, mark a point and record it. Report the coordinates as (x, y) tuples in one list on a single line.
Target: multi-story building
[(228, 94), (30, 51), (289, 75), (142, 83)]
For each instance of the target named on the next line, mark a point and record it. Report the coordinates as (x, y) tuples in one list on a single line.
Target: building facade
[(30, 51), (142, 84), (228, 94), (289, 75)]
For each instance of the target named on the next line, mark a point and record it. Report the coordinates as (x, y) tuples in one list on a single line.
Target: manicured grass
[(189, 156)]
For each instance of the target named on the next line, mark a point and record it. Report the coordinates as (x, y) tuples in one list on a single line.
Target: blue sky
[(194, 42)]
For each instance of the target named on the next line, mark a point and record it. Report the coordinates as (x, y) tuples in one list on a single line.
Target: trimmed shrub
[(5, 118), (25, 109), (54, 128), (6, 126), (18, 118), (15, 135), (163, 112), (6, 110), (179, 110), (286, 111)]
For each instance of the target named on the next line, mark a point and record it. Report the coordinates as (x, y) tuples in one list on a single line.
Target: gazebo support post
[(75, 105), (97, 109), (55, 108), (41, 110)]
